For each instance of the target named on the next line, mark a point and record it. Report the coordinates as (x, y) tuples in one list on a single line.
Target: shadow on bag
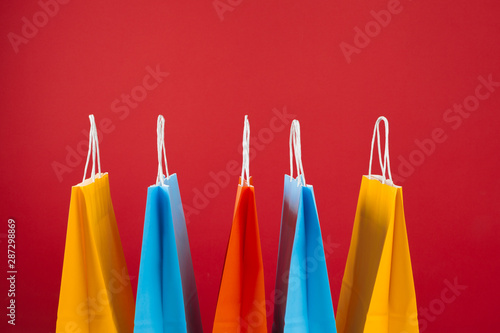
[(303, 302), (167, 298), (96, 295), (378, 294)]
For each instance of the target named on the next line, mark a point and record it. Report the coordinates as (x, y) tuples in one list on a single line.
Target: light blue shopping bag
[(303, 301), (167, 298)]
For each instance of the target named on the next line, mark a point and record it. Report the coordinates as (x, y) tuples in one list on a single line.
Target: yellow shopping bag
[(378, 294), (95, 294)]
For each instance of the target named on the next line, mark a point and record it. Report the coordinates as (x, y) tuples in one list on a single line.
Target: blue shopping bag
[(167, 298), (303, 300)]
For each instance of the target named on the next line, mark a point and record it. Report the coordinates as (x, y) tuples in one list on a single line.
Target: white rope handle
[(94, 148), (295, 147), (160, 146), (245, 166), (385, 165)]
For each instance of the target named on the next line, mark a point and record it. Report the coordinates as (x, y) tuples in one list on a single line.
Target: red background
[(262, 55)]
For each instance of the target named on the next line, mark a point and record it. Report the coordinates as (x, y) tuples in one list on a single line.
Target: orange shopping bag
[(241, 305), (95, 294)]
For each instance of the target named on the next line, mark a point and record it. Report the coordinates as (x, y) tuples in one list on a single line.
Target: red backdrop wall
[(432, 68)]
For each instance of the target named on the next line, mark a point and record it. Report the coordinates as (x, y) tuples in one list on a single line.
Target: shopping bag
[(241, 305), (95, 294), (303, 301), (167, 298), (378, 294)]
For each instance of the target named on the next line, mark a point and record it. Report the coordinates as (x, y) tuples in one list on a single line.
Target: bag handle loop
[(245, 166), (160, 146), (385, 165), (94, 148), (295, 147)]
